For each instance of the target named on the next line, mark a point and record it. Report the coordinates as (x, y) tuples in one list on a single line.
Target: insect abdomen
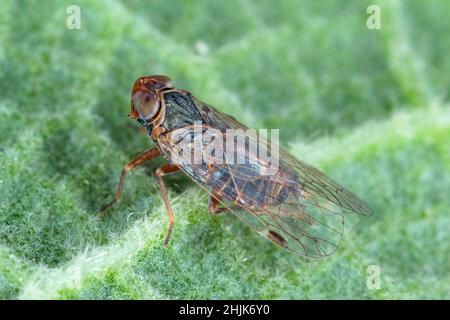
[(257, 192)]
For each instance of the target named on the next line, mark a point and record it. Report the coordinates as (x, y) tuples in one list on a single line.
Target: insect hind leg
[(159, 173), (213, 205)]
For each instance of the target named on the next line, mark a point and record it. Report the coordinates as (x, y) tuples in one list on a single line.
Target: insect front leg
[(159, 173), (139, 160)]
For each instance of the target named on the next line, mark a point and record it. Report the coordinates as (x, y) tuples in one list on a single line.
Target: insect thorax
[(181, 111)]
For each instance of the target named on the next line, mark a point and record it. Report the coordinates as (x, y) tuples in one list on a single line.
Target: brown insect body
[(179, 110), (298, 207)]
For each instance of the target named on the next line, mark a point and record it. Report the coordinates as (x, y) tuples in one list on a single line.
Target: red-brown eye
[(145, 103)]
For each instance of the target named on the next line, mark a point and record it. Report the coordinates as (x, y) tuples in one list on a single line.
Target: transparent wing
[(299, 208), (319, 187)]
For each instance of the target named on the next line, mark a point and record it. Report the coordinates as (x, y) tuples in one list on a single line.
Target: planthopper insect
[(290, 203)]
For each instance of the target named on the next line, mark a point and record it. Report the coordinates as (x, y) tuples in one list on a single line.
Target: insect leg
[(159, 173), (139, 160), (213, 205)]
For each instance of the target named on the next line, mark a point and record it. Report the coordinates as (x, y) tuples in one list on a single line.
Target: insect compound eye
[(145, 103)]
